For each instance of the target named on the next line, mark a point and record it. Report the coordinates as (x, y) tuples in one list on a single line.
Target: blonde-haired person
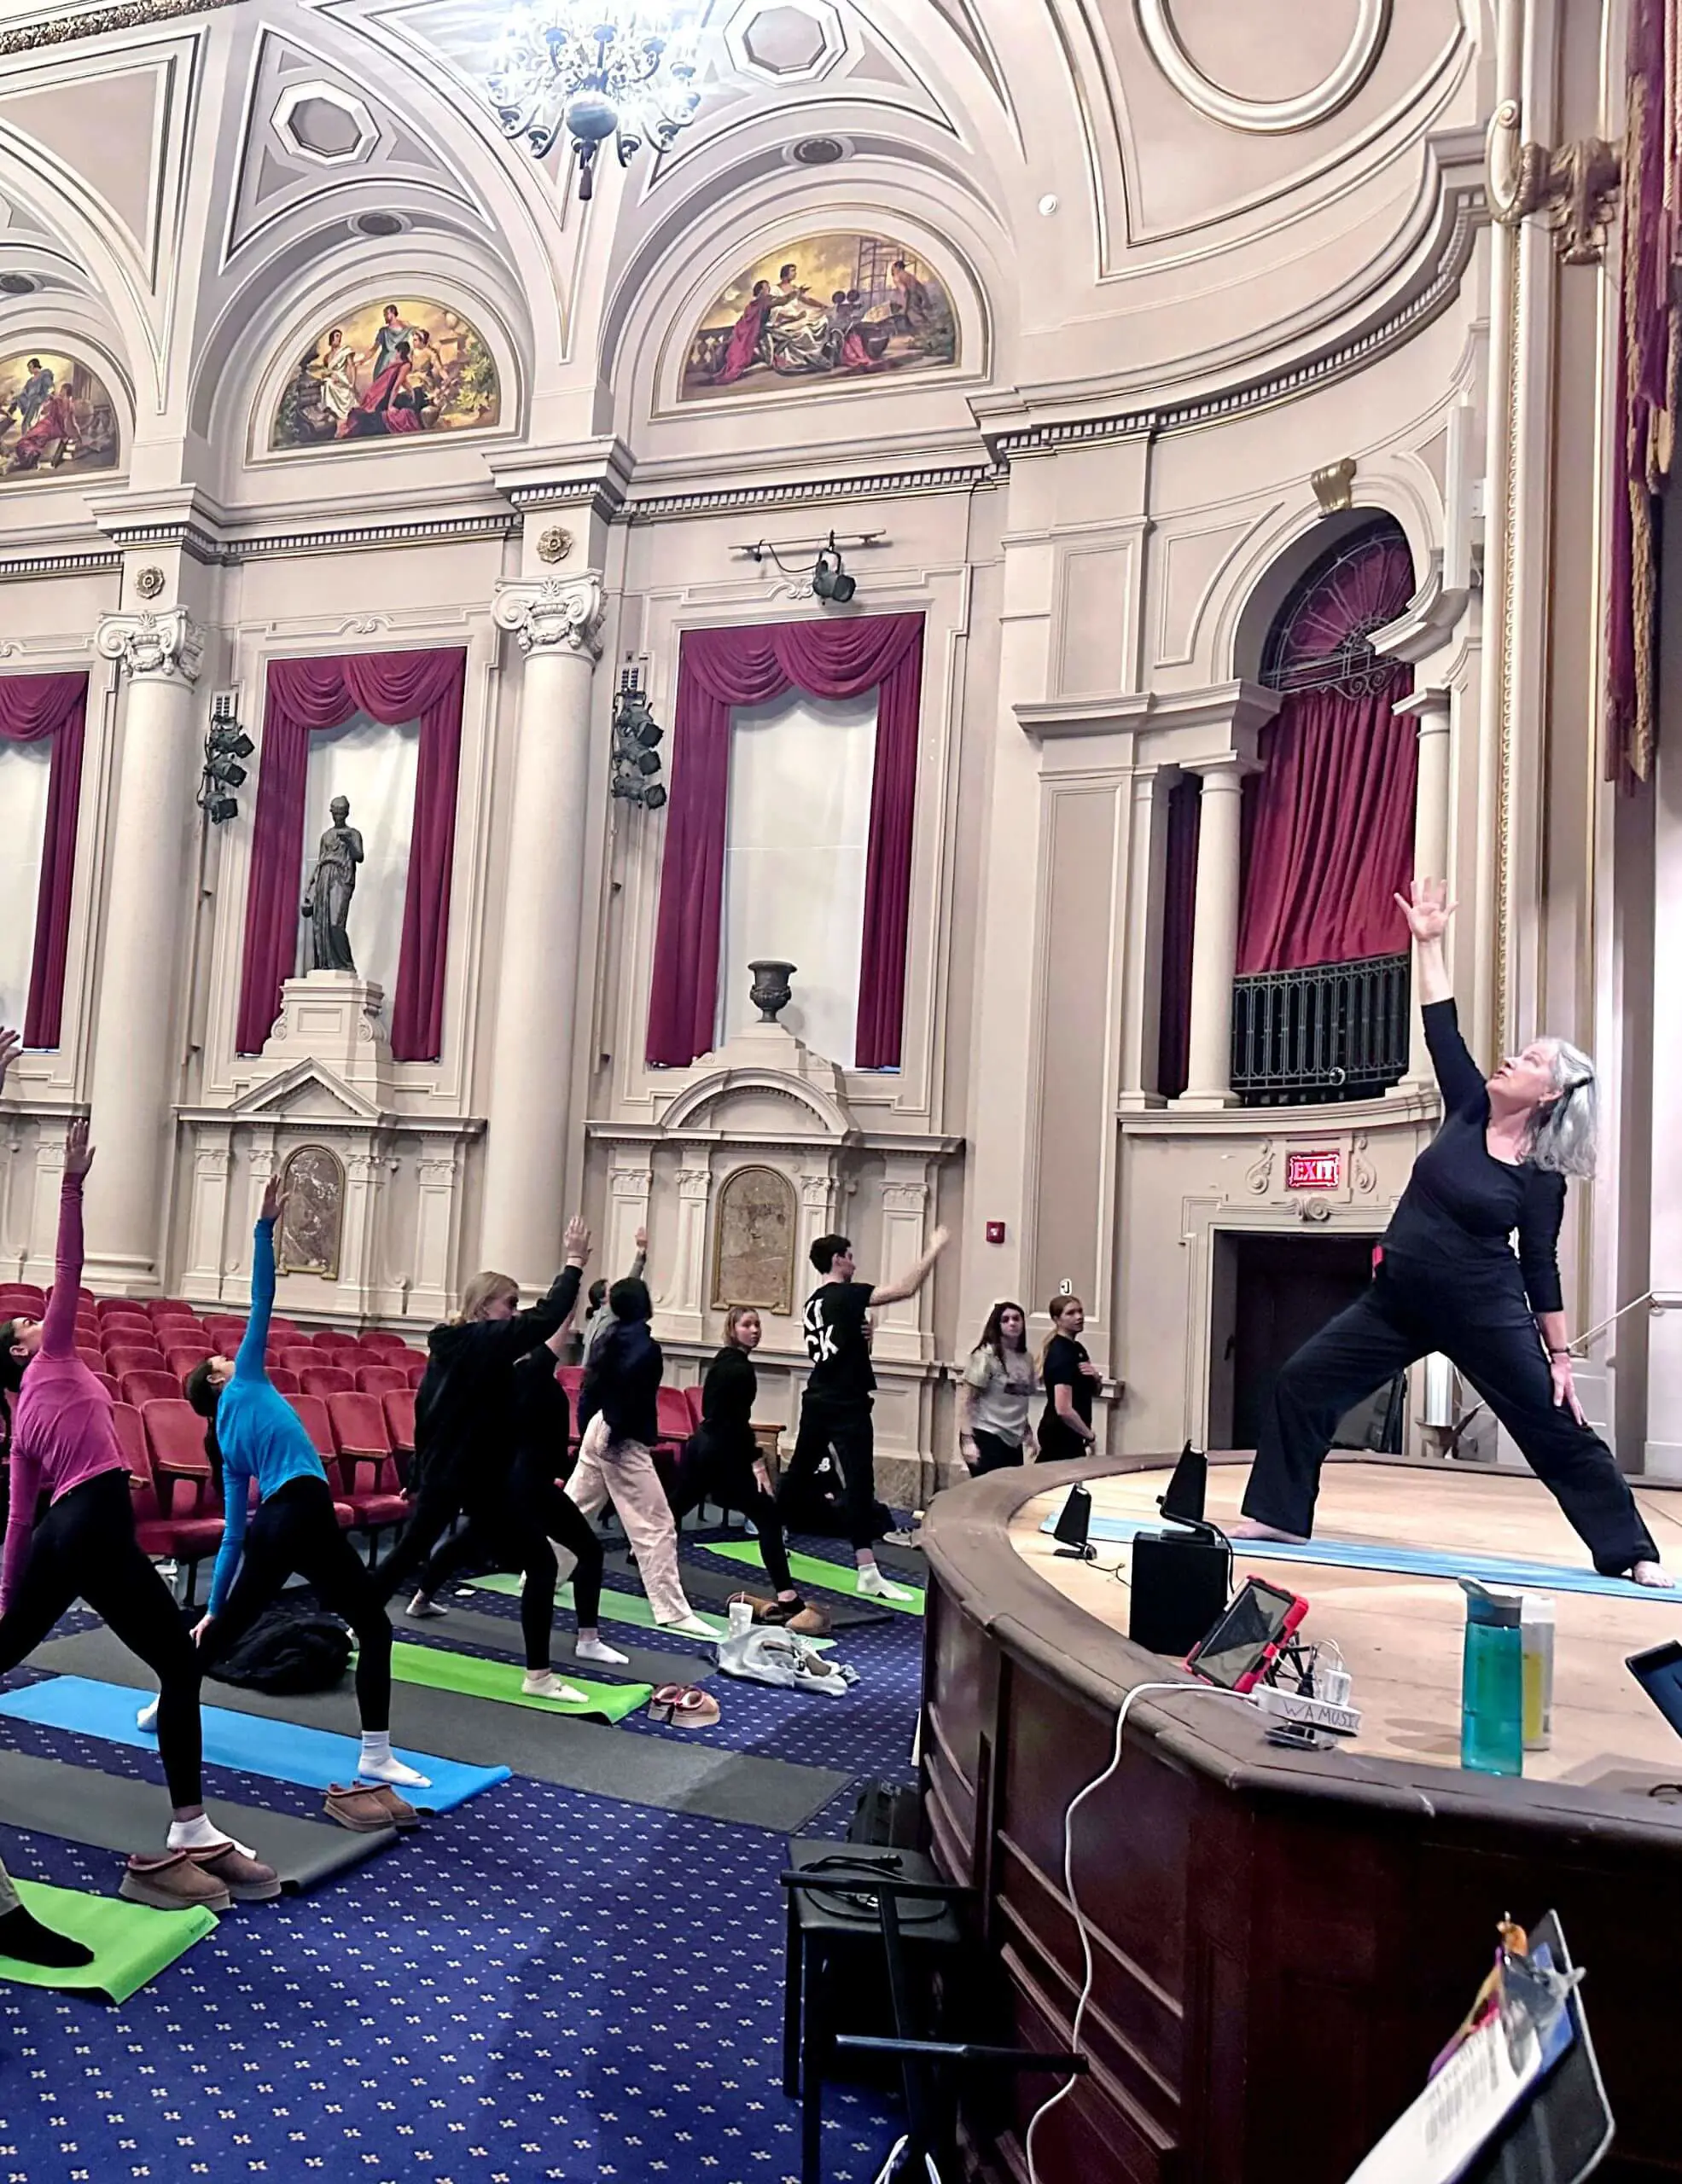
[(464, 1430), (1070, 1378), (1446, 1277)]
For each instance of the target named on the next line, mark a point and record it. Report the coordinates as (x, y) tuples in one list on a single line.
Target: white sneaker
[(146, 1718), (423, 1607), (596, 1649), (544, 1683), (873, 1586)]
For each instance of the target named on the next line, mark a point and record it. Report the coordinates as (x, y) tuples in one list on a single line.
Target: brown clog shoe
[(359, 1807), (174, 1882), (247, 1880), (399, 1811)]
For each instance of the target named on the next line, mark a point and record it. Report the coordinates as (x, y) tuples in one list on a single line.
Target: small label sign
[(1313, 1171)]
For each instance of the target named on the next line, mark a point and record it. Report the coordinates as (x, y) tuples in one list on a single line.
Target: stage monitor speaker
[(1180, 1584), (1074, 1521), (1187, 1489)]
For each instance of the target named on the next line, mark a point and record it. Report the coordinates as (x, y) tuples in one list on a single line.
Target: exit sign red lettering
[(1313, 1171)]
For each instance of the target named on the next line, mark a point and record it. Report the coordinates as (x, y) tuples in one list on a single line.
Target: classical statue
[(327, 900)]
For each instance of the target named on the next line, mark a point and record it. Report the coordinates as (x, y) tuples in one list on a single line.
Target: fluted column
[(1429, 707), (150, 899), (556, 621), (1214, 938)]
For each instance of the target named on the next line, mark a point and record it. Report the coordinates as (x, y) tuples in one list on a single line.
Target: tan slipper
[(247, 1880), (174, 1882), (362, 1809), (401, 1814)]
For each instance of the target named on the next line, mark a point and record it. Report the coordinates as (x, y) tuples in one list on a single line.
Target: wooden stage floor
[(1401, 1636)]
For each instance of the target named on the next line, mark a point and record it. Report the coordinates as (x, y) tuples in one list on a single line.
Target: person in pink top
[(65, 1445)]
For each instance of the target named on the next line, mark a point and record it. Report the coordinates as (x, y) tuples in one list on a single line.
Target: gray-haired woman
[(1446, 1278)]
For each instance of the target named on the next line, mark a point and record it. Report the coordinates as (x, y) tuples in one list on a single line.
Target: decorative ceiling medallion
[(1264, 117), (555, 544), (785, 41), (325, 124)]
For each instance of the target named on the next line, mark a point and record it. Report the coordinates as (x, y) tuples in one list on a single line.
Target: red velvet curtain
[(717, 670), (304, 697), (1649, 334), (1174, 1035), (1328, 833), (32, 707)]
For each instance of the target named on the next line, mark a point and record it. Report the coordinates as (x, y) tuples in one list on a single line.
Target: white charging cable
[(1138, 1690)]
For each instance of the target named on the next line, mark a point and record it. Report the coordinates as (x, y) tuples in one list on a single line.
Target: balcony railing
[(1334, 1032)]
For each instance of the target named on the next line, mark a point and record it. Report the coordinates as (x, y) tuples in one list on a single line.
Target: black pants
[(1388, 1329), (437, 1503), (295, 1530), (84, 1547), (992, 1453), (847, 1428), (511, 1529), (718, 1464)]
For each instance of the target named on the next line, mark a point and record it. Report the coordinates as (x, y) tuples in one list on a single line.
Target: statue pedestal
[(334, 1017)]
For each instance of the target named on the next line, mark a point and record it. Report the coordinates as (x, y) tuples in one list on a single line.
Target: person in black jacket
[(617, 1408), (1446, 1278), (722, 1459), (464, 1425)]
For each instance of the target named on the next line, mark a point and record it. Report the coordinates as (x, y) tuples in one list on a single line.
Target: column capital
[(553, 614), (1226, 771), (167, 647), (1430, 706)]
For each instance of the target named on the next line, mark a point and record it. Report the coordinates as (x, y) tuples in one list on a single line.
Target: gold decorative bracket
[(1575, 189)]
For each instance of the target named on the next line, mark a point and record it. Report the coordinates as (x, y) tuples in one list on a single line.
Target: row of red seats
[(148, 1383), (364, 1443)]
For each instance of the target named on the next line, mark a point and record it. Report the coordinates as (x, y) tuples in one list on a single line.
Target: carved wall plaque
[(310, 1230), (753, 1242)]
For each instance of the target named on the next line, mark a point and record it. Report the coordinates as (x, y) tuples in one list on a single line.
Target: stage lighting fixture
[(829, 580), (636, 738), (225, 744), (219, 808)]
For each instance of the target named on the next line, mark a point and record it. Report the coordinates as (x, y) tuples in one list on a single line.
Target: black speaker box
[(1180, 1584)]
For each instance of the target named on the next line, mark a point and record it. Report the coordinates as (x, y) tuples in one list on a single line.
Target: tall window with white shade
[(372, 766)]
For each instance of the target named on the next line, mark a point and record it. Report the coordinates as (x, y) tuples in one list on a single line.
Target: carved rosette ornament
[(558, 614), (166, 647)]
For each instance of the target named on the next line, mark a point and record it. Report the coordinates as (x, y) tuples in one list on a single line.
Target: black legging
[(437, 1501), (847, 1428), (84, 1546), (993, 1453), (715, 1463), (513, 1532), (1389, 1328), (296, 1531)]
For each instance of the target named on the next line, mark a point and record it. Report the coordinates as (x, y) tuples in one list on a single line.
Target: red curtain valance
[(305, 697), (717, 670), (32, 707)]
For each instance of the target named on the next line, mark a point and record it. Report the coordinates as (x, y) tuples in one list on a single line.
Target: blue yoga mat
[(1408, 1562), (254, 1744)]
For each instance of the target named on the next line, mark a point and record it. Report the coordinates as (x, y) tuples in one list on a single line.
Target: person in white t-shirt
[(993, 1396)]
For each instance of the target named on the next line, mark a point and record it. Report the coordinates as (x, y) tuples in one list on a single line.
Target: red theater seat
[(108, 1384), (284, 1383), (146, 1386), (181, 1358), (366, 1464), (120, 1358), (326, 1381), (692, 1397), (332, 1338), (300, 1356), (175, 1435), (379, 1380), (93, 1359), (312, 1409)]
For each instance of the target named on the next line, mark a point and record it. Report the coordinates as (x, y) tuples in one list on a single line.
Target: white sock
[(146, 1718), (423, 1605), (875, 1586), (690, 1626), (378, 1764), (544, 1683), (593, 1649), (203, 1834)]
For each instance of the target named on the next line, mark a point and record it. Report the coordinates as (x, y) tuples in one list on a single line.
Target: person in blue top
[(293, 1528)]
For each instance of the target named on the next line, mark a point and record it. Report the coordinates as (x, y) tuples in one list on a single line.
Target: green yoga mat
[(622, 1607), (807, 1569), (476, 1678), (130, 1942)]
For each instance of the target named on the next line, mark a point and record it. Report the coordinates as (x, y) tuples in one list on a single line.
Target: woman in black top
[(1070, 1380), (1446, 1278), (722, 1458)]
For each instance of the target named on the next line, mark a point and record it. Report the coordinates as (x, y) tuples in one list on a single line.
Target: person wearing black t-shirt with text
[(1446, 1278), (836, 1410), (1070, 1381)]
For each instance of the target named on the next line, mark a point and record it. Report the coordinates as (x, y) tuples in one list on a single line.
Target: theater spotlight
[(225, 745), (637, 739), (829, 580)]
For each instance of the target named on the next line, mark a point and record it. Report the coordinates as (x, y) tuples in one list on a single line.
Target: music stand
[(1563, 2132)]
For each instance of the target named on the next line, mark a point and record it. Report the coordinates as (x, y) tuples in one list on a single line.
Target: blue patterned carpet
[(541, 1984)]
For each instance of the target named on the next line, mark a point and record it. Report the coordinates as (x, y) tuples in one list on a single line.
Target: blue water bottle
[(1492, 1682)]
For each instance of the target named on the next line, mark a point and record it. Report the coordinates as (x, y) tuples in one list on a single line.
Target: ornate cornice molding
[(166, 647), (93, 560), (560, 614), (99, 22), (944, 478)]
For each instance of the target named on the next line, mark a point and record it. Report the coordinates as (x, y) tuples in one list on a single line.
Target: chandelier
[(594, 69)]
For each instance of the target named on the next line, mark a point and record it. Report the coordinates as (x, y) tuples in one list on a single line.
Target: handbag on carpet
[(289, 1649), (761, 1654)]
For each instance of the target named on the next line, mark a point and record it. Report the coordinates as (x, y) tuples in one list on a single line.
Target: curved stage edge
[(1283, 1941)]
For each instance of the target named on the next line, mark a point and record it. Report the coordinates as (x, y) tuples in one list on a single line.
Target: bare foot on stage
[(1654, 1574), (1247, 1528)]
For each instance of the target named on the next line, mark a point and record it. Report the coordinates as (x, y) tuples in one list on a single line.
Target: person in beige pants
[(617, 1406)]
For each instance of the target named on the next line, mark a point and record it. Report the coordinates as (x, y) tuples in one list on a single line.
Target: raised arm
[(251, 1363), (1427, 912), (58, 1328), (531, 1329), (895, 1293)]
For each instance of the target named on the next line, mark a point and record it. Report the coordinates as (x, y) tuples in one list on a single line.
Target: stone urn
[(771, 992)]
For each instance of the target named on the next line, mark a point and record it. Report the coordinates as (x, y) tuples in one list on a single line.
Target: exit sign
[(1313, 1171)]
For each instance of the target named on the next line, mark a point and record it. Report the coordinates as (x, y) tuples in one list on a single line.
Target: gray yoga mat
[(609, 1762), (500, 1634), (714, 1587), (113, 1812)]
